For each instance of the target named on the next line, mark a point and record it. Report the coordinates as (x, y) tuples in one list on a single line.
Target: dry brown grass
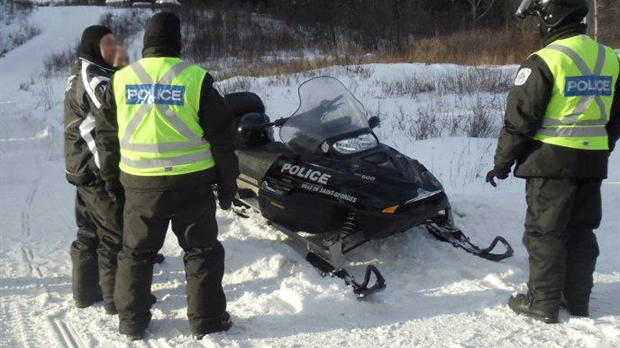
[(476, 47)]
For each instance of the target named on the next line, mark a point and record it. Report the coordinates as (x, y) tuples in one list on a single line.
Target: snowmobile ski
[(360, 289), (442, 227), (324, 255)]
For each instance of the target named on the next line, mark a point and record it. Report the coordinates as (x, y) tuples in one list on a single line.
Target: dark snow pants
[(99, 240), (561, 216), (191, 213)]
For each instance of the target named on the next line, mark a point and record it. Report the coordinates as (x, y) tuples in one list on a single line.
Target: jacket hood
[(90, 45), (163, 35)]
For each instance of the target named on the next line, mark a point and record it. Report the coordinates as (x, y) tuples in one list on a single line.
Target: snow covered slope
[(437, 296)]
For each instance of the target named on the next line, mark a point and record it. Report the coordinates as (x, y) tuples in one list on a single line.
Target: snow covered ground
[(437, 296)]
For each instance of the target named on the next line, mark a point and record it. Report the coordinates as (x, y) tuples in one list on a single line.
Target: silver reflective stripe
[(166, 162), (585, 101), (86, 127), (87, 86), (574, 132), (572, 121), (98, 80), (193, 140)]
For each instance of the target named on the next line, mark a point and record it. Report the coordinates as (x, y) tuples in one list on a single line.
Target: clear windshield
[(326, 109)]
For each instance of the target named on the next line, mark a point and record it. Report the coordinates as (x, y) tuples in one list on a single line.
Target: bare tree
[(479, 8)]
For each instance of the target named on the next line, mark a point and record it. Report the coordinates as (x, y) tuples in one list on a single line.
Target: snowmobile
[(330, 185)]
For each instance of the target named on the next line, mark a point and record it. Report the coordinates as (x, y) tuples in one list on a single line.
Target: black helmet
[(252, 131), (554, 13)]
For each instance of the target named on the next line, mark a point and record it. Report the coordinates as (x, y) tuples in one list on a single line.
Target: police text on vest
[(155, 94), (588, 86)]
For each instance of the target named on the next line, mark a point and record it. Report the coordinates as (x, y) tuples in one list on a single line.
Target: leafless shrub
[(409, 86), (125, 24), (474, 80), (237, 84), (27, 84), (481, 124), (60, 63), (45, 97), (24, 32), (427, 125)]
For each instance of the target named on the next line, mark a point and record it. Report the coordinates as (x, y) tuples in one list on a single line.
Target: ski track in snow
[(436, 295)]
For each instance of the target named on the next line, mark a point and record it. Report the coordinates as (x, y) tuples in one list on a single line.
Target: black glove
[(226, 193), (115, 190), (496, 173)]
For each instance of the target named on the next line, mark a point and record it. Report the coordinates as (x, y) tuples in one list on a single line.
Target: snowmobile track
[(20, 317), (67, 333), (25, 225), (29, 258), (155, 344)]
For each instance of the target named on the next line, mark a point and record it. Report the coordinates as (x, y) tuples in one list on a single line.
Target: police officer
[(562, 122), (166, 136), (98, 216)]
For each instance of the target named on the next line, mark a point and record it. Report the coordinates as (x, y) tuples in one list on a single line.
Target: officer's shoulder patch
[(522, 76)]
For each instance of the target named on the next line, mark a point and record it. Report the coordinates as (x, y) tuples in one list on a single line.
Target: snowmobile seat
[(255, 161), (243, 103)]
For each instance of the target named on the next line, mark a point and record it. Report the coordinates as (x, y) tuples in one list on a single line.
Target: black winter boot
[(521, 304), (223, 325), (575, 309), (85, 303)]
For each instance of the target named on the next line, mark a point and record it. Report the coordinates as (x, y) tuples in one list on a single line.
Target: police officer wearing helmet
[(562, 122), (165, 137)]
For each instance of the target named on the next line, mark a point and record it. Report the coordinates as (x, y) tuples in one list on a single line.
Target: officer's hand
[(496, 173), (226, 193), (115, 190)]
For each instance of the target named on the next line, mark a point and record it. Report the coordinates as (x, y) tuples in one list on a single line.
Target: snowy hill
[(437, 296)]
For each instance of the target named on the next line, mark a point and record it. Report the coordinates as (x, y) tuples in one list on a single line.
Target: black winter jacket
[(526, 107), (83, 98), (216, 118)]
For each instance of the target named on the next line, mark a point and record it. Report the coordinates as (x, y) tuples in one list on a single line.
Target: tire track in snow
[(25, 226), (67, 333), (22, 320), (155, 343), (29, 258)]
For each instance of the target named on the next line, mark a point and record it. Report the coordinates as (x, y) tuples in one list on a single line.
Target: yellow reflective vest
[(585, 75), (157, 103)]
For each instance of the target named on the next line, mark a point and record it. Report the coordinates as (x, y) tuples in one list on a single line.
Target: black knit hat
[(90, 45), (163, 32)]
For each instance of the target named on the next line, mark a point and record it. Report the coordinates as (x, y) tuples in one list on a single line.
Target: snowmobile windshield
[(327, 109)]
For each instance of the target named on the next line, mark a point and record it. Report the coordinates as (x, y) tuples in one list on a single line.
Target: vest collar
[(564, 33), (160, 52)]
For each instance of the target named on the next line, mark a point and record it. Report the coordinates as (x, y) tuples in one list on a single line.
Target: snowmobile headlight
[(354, 145)]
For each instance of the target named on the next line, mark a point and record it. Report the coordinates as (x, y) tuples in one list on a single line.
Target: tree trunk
[(592, 19)]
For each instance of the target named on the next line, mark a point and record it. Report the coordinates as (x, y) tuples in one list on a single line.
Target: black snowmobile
[(332, 186)]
